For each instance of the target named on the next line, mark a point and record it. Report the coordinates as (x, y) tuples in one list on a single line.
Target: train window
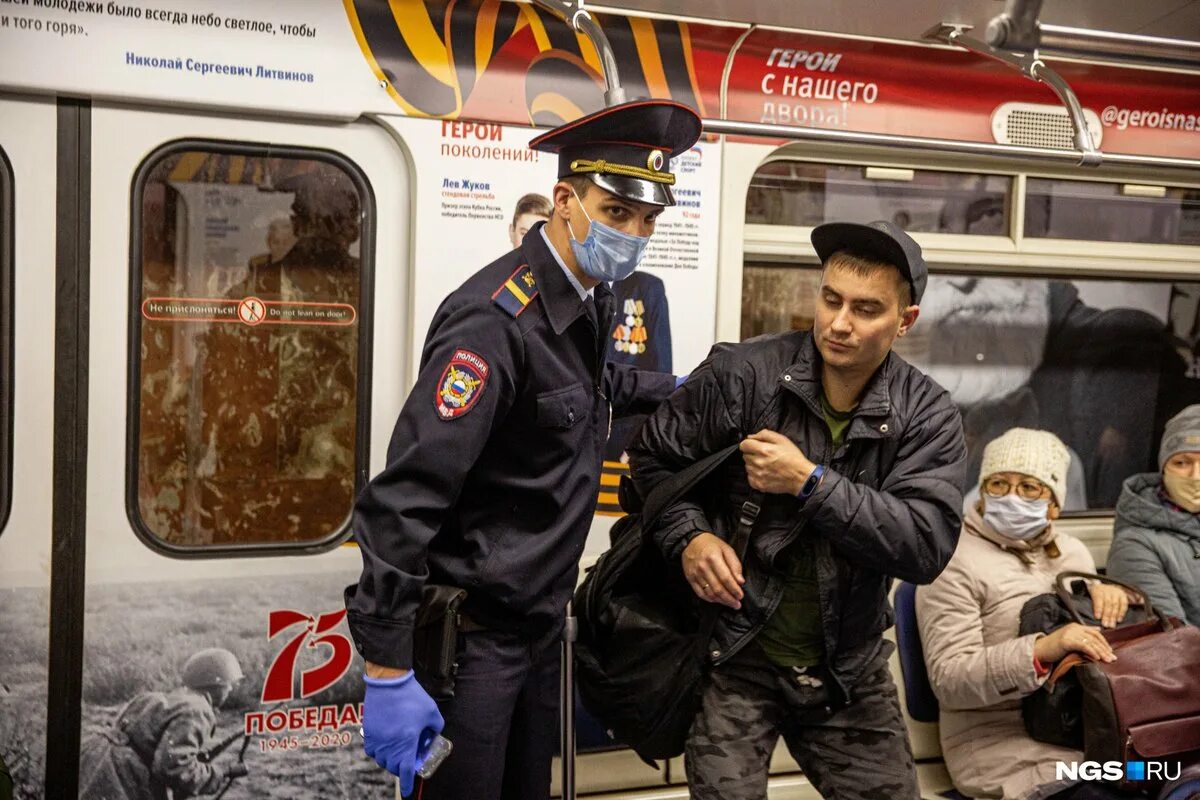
[(251, 281), (1111, 212), (788, 192), (6, 337), (1102, 363)]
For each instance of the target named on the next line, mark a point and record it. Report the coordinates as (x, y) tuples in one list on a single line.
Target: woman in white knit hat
[(969, 617)]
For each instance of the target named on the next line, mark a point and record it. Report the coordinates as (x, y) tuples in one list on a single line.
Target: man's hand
[(1073, 638), (1109, 603), (713, 570), (774, 464), (399, 721)]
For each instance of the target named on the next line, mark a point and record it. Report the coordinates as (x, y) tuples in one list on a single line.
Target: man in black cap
[(856, 460), (491, 474)]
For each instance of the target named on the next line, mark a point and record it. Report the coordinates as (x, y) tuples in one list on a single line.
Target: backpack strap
[(667, 491), (671, 489)]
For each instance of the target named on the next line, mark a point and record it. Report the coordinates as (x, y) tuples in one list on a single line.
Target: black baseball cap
[(627, 148), (881, 241)]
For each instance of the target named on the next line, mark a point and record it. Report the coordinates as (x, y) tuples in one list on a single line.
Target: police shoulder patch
[(461, 385), (516, 293)]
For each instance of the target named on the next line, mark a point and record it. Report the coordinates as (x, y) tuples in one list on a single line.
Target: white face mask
[(1016, 517), (1183, 491)]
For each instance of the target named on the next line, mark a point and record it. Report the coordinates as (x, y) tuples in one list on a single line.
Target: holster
[(435, 638)]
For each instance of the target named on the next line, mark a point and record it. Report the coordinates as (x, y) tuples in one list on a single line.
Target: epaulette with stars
[(516, 293)]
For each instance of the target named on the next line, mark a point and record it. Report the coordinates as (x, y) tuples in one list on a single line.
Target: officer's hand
[(399, 721), (238, 770), (1109, 603), (774, 464), (713, 570)]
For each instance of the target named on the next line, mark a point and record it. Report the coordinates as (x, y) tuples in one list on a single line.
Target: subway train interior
[(184, 426)]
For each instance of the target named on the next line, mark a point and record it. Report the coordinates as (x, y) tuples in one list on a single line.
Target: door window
[(251, 278)]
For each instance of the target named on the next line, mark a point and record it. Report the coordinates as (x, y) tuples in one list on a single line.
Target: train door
[(27, 281), (246, 339)]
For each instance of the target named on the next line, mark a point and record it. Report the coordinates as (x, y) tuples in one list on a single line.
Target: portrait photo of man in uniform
[(640, 337), (855, 460), (492, 471)]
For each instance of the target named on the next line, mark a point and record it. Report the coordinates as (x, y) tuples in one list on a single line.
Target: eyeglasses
[(1027, 489)]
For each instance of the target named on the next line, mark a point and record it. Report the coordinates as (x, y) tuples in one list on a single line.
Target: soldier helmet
[(210, 668)]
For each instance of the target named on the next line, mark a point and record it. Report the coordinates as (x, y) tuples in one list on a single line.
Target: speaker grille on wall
[(1036, 125)]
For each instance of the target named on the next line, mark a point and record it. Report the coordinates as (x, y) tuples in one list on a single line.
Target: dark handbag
[(1054, 715), (435, 638), (1145, 705), (641, 652)]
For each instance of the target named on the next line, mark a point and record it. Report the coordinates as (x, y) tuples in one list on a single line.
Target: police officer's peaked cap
[(627, 148), (213, 667)]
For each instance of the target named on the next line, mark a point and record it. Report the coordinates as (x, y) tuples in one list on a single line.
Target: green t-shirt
[(792, 636)]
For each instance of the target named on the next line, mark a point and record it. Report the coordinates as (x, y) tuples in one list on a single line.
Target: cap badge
[(656, 161)]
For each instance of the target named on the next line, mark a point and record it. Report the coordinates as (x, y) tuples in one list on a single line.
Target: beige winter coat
[(980, 669)]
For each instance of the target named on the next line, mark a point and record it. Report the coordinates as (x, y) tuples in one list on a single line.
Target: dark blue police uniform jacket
[(493, 465)]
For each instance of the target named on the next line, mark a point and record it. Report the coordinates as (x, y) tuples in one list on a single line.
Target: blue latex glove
[(680, 379), (399, 722)]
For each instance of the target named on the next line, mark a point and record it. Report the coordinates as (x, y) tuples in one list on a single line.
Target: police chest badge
[(462, 384)]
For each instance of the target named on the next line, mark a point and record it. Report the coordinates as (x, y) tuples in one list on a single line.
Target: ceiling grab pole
[(1032, 67), (1015, 28), (575, 15), (1018, 28), (581, 20)]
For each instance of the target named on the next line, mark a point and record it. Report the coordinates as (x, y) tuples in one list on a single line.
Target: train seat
[(918, 702)]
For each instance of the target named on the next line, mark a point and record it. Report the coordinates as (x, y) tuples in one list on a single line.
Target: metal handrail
[(987, 149), (1018, 28), (574, 14), (581, 21), (1035, 69), (1150, 50)]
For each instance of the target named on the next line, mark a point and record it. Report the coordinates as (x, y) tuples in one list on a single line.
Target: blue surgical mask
[(607, 254), (1016, 517)]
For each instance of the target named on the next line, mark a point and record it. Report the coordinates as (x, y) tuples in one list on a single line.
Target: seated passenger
[(969, 617), (1156, 546)]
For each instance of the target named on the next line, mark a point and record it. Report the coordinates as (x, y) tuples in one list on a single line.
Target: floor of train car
[(932, 776)]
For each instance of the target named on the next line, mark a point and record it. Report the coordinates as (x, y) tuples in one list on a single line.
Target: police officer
[(493, 465), (157, 748)]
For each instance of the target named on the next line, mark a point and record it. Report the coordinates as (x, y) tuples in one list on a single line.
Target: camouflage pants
[(857, 751)]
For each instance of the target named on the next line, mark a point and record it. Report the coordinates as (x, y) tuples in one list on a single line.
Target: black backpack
[(643, 634)]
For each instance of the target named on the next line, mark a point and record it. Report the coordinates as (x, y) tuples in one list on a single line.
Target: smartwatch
[(810, 485)]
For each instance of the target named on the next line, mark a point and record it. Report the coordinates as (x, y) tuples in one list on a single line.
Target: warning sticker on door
[(247, 311)]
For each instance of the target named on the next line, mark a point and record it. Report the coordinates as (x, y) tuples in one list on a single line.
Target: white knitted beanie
[(1037, 453)]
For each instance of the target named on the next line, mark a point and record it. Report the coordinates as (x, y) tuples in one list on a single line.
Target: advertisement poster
[(479, 188), (286, 58), (196, 681), (513, 63), (911, 89)]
